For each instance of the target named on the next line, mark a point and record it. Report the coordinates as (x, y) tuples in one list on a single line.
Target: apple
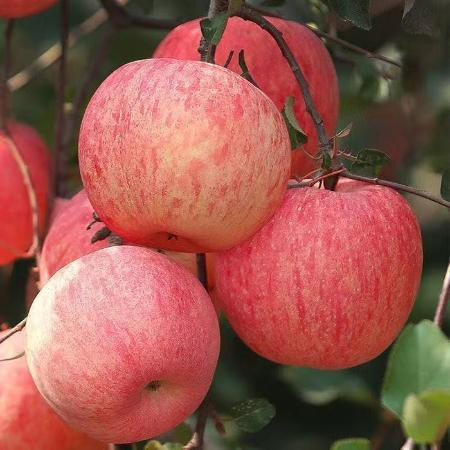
[(329, 281), (123, 343), (183, 155), (68, 239), (27, 422), (16, 228), (13, 9), (270, 70)]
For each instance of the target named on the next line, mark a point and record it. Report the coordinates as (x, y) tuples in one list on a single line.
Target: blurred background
[(405, 113)]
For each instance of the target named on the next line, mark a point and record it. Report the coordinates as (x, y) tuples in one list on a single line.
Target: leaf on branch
[(353, 11), (420, 17), (426, 416), (445, 185), (245, 72), (212, 29), (369, 162), (296, 135), (326, 161), (419, 362), (351, 444), (252, 415), (345, 132), (320, 387)]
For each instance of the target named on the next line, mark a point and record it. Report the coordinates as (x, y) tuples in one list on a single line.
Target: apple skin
[(13, 9), (329, 282), (108, 325), (183, 148), (270, 70), (27, 422), (16, 229), (68, 239)]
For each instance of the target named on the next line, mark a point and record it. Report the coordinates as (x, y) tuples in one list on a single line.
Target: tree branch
[(4, 90), (253, 16), (398, 187), (19, 327), (60, 157), (443, 300), (121, 18), (197, 440)]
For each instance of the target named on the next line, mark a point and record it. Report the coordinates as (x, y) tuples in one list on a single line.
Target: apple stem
[(4, 89), (196, 442), (60, 158)]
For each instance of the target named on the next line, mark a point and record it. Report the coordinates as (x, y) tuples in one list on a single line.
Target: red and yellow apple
[(16, 228), (13, 9), (270, 70), (68, 238), (183, 155), (27, 422), (329, 281), (123, 343)]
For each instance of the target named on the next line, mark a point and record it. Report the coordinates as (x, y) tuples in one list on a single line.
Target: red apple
[(331, 279), (16, 229), (13, 9), (270, 70), (27, 422), (183, 155), (123, 343), (68, 239)]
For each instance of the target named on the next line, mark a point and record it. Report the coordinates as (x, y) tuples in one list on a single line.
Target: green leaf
[(245, 72), (296, 135), (369, 162), (252, 415), (351, 444), (353, 11), (326, 161), (212, 29), (426, 417), (320, 387), (419, 362), (445, 185), (420, 17)]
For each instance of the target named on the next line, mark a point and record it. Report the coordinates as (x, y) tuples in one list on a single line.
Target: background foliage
[(405, 113)]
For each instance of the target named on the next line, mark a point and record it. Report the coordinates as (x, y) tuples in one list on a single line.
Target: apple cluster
[(189, 157)]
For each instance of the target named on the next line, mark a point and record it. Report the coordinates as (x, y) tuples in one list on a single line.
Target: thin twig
[(4, 91), (59, 157), (253, 16), (398, 187), (443, 300), (197, 440), (19, 327), (121, 18), (50, 56), (73, 116), (408, 445)]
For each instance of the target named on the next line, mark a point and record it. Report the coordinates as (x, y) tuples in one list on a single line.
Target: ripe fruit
[(68, 239), (331, 279), (123, 343), (13, 9), (16, 230), (187, 156), (270, 70), (27, 422)]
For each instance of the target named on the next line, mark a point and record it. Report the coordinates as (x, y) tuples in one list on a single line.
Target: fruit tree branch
[(196, 442), (60, 157), (121, 18), (19, 327), (253, 16), (443, 300), (398, 187), (343, 43), (4, 91)]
